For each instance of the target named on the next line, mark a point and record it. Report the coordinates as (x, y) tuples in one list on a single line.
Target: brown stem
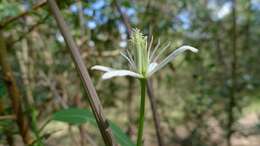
[(123, 17), (232, 101), (14, 93), (156, 117), (84, 76), (81, 17)]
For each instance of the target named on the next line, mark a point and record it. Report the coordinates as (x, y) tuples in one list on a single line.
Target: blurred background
[(211, 98)]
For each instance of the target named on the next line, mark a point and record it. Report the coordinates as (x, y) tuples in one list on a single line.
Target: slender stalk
[(141, 112)]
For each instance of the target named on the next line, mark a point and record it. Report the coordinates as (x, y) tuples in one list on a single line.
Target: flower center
[(138, 44)]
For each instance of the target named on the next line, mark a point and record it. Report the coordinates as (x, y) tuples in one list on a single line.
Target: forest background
[(210, 98)]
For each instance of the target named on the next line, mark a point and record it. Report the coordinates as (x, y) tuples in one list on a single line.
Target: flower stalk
[(141, 113)]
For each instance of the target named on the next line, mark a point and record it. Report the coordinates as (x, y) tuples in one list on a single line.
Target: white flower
[(142, 59)]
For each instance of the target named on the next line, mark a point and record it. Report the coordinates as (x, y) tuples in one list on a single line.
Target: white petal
[(101, 68), (152, 66), (119, 73), (172, 56)]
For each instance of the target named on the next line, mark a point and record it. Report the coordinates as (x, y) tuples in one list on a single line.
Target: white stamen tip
[(101, 68), (192, 49)]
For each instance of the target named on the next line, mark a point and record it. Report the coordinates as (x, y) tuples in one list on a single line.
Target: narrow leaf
[(77, 116)]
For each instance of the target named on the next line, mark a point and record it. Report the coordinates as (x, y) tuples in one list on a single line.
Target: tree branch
[(123, 17), (84, 75)]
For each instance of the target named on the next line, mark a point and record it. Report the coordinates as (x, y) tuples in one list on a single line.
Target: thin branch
[(8, 117), (81, 18), (124, 18), (22, 14), (156, 117), (84, 76)]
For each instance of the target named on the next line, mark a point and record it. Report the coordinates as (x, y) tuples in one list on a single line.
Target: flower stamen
[(155, 49), (161, 52), (129, 60)]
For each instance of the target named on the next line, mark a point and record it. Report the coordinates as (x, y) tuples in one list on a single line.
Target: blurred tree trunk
[(14, 93), (247, 33), (232, 101), (247, 27)]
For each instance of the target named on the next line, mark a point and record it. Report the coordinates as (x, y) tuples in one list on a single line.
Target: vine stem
[(141, 113)]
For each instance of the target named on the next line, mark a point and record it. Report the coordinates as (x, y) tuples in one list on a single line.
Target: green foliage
[(2, 89), (74, 116), (8, 9), (77, 116), (192, 90)]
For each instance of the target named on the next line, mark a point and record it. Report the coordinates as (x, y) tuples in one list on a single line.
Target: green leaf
[(74, 116), (77, 116), (121, 137), (8, 9)]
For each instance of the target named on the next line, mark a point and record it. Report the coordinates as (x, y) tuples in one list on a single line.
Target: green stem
[(141, 113), (35, 127)]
